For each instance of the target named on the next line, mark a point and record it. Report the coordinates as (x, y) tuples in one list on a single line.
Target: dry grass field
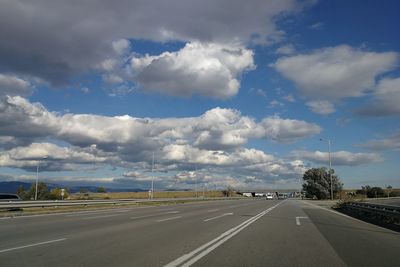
[(145, 195), (345, 193)]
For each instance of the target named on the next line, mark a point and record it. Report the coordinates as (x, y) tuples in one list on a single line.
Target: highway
[(250, 232)]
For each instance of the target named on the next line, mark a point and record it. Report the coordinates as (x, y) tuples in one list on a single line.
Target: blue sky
[(222, 92)]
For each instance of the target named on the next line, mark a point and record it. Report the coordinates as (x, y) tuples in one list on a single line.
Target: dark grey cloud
[(54, 40)]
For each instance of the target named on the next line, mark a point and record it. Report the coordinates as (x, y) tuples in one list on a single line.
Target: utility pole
[(152, 178), (37, 177), (330, 167), (195, 180)]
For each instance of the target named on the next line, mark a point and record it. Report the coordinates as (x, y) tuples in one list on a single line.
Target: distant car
[(6, 197), (270, 197), (282, 196)]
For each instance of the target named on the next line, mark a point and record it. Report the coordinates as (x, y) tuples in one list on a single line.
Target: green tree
[(229, 192), (55, 193), (43, 192), (22, 193), (317, 183), (101, 189), (375, 192)]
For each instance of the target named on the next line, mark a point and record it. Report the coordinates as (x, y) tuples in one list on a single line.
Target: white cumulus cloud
[(202, 69), (339, 158), (287, 130), (389, 143), (335, 73), (322, 107), (12, 85), (385, 99)]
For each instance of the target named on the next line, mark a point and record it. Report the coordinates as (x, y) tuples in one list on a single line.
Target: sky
[(218, 92)]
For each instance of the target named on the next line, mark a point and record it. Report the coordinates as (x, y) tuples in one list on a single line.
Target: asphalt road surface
[(219, 233)]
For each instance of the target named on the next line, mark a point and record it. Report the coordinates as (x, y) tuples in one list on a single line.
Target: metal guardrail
[(65, 203), (388, 211)]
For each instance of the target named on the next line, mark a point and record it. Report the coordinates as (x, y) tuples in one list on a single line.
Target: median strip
[(190, 258)]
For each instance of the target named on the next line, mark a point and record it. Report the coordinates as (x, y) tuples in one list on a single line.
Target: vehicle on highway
[(9, 197), (270, 196), (282, 196)]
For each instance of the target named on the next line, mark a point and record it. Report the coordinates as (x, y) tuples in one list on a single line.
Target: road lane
[(32, 228), (164, 234), (358, 243), (323, 238), (119, 241), (276, 240)]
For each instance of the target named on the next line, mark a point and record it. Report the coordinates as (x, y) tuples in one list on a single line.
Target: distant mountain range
[(12, 187)]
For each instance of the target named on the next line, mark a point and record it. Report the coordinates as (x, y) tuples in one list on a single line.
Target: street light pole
[(195, 180), (152, 177), (37, 177), (330, 167), (330, 163)]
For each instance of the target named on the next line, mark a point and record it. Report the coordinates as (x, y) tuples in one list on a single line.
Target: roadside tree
[(317, 183)]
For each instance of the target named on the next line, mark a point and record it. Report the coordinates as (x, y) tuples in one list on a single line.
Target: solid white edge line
[(169, 219), (217, 217), (229, 233), (33, 245)]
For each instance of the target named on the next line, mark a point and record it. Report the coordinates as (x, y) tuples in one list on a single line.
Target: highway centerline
[(33, 245), (77, 214), (217, 217), (153, 215), (190, 258), (169, 219), (213, 210), (100, 216)]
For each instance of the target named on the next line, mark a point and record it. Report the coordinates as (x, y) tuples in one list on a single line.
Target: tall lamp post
[(152, 173), (330, 163), (152, 177), (195, 180), (37, 176)]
